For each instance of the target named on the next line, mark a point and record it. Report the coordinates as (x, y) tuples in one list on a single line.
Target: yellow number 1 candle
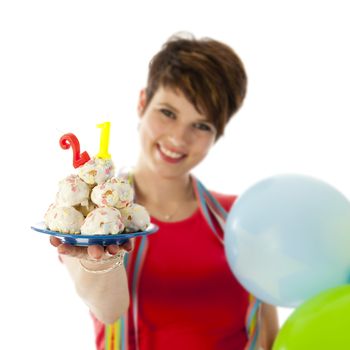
[(104, 140)]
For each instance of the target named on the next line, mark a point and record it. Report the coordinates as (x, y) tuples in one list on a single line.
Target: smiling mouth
[(170, 156)]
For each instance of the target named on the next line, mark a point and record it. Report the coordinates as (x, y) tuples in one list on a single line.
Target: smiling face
[(175, 137)]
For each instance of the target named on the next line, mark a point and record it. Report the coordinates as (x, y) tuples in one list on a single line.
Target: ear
[(142, 102)]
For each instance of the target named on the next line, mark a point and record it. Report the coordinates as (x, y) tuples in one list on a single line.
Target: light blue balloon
[(287, 238)]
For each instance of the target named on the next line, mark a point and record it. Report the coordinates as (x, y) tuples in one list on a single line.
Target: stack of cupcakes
[(95, 202)]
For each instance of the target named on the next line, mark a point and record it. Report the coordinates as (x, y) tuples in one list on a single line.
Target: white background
[(67, 65)]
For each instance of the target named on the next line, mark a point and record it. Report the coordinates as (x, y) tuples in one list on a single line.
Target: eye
[(203, 127), (167, 113)]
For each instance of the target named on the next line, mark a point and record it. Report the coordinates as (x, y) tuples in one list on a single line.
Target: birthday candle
[(104, 140), (70, 140)]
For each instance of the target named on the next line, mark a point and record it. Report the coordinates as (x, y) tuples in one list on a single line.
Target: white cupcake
[(102, 221), (96, 171), (64, 219), (135, 218), (72, 191), (113, 193)]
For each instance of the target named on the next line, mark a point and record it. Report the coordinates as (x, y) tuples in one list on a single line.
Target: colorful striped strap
[(140, 258), (252, 323), (112, 336), (115, 333), (209, 205)]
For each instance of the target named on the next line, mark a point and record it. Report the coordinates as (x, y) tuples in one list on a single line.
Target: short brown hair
[(209, 73)]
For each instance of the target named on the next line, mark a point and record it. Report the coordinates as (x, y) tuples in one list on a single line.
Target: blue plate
[(86, 240)]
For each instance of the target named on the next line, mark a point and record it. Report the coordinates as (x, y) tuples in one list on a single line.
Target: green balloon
[(321, 323)]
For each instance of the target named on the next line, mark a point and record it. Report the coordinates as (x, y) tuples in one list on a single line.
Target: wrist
[(100, 266)]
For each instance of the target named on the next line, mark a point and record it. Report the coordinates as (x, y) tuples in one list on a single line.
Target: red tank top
[(188, 297)]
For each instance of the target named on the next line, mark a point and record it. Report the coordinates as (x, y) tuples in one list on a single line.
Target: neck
[(154, 189)]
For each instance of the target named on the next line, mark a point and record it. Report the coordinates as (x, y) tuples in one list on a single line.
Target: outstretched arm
[(106, 294)]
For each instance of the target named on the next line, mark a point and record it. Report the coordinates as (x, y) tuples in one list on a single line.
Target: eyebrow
[(167, 105), (164, 104)]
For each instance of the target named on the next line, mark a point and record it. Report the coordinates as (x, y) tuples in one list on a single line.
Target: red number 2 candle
[(70, 140)]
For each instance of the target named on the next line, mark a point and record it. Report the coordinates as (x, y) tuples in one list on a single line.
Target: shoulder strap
[(209, 204), (115, 333)]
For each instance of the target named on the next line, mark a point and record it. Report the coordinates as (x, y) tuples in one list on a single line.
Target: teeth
[(170, 153)]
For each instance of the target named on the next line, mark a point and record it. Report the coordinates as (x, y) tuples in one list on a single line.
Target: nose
[(179, 136)]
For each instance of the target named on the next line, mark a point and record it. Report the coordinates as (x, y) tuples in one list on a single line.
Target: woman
[(184, 295)]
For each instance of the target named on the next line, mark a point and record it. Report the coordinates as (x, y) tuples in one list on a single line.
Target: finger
[(73, 251), (95, 251), (113, 249), (55, 241), (128, 245)]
